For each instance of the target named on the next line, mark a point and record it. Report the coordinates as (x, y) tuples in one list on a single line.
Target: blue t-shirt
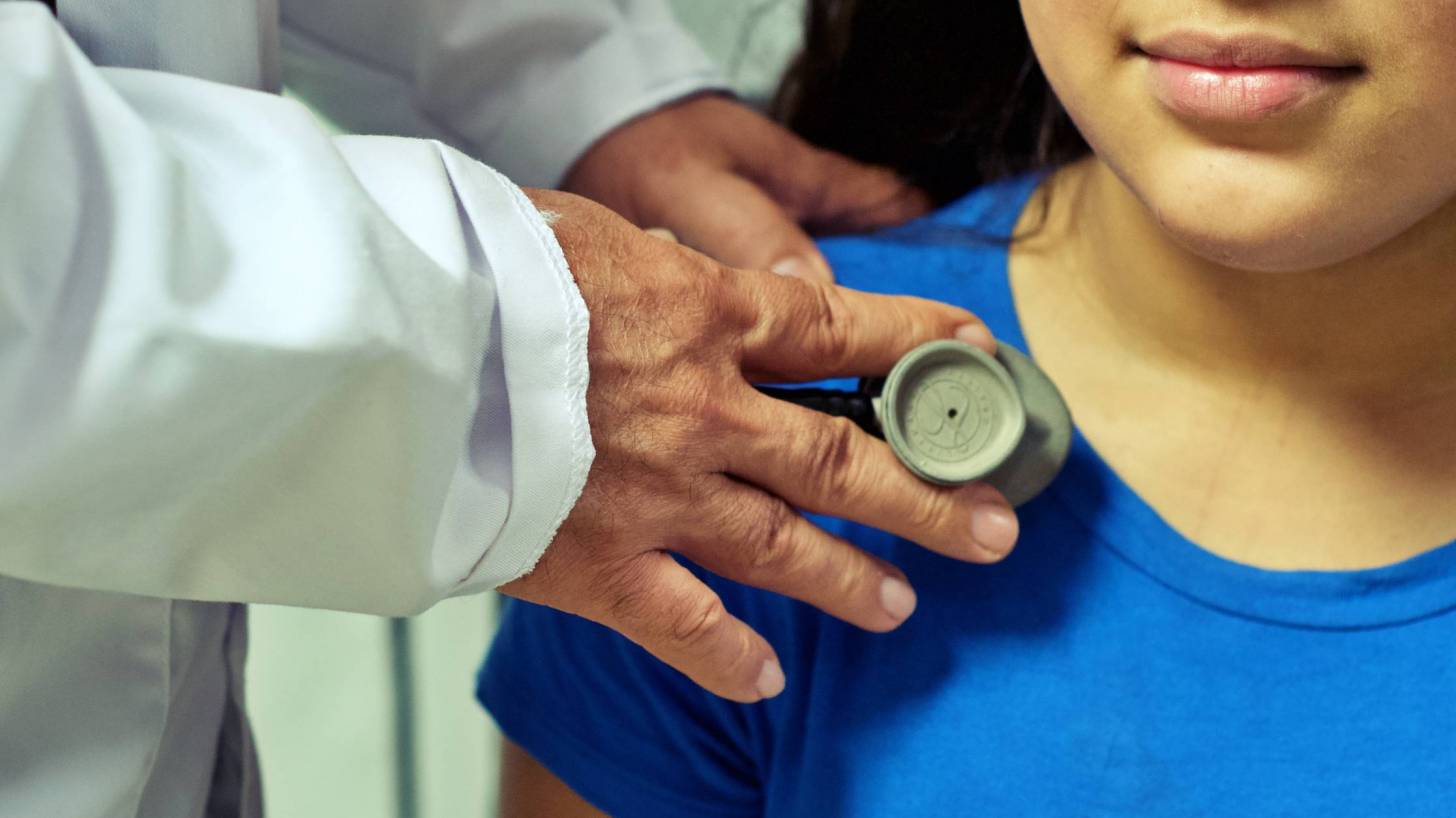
[(1109, 666)]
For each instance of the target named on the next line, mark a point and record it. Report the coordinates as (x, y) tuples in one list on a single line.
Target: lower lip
[(1238, 94)]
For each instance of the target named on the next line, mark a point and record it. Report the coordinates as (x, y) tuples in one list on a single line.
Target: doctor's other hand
[(691, 460), (732, 184)]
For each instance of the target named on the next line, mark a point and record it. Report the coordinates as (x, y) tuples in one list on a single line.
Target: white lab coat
[(243, 361)]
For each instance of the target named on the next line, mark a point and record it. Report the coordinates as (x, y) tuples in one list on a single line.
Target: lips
[(1240, 79)]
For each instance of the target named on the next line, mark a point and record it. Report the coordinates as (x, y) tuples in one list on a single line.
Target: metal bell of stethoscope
[(954, 414)]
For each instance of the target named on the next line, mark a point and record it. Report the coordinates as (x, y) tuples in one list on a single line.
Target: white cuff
[(533, 386), (523, 462)]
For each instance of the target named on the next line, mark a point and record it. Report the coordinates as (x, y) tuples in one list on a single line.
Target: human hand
[(691, 459), (730, 183)]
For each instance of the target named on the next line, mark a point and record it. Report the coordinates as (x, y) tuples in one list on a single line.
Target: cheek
[(1074, 40), (1422, 53), (1382, 160), (1080, 46)]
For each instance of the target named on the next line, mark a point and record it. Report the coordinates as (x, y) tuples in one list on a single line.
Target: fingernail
[(976, 335), (994, 528), (897, 598), (770, 679), (794, 266)]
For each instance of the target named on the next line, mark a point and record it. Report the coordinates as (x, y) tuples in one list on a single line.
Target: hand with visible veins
[(692, 459), (728, 182)]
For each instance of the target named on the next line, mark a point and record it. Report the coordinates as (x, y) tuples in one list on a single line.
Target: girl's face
[(1264, 134)]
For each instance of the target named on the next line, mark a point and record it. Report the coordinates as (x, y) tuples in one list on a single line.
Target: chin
[(1285, 245), (1265, 223)]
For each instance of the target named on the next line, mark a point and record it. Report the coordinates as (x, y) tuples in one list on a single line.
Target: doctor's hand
[(692, 460), (730, 183)]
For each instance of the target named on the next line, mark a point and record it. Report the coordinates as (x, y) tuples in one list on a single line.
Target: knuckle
[(933, 511), (831, 457), (629, 599), (699, 490), (697, 621), (845, 579), (693, 397), (731, 306), (710, 282), (834, 326), (691, 428), (772, 540), (672, 384)]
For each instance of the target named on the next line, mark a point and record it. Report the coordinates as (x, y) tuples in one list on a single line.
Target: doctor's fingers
[(819, 188), (828, 192), (805, 330), (828, 465), (749, 536), (657, 603), (731, 219)]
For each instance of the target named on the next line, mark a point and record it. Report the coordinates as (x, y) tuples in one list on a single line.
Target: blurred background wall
[(363, 717)]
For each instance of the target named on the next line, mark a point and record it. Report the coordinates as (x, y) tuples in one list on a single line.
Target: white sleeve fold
[(243, 361), (524, 85)]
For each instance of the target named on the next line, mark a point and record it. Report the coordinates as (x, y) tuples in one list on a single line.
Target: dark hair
[(946, 92)]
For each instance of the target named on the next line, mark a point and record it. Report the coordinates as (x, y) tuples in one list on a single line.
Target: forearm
[(242, 361)]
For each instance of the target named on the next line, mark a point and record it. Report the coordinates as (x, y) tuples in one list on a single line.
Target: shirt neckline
[(1120, 520)]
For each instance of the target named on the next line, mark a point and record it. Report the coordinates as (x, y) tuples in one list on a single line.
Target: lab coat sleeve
[(241, 360), (525, 85)]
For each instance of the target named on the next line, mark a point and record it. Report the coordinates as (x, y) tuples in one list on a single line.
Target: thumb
[(736, 222)]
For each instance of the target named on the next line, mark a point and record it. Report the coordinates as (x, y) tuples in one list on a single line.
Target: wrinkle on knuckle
[(831, 460), (716, 282), (695, 276), (834, 327), (731, 344), (683, 424), (627, 596), (844, 578), (771, 541), (933, 511), (730, 309), (696, 398), (751, 425), (697, 414), (733, 409), (697, 622), (700, 488), (707, 301)]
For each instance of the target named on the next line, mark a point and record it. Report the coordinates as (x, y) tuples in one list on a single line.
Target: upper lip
[(1240, 51)]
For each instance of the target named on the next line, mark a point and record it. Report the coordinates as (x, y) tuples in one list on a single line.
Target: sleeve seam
[(575, 374)]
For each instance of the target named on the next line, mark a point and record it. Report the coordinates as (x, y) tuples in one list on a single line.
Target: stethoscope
[(954, 414)]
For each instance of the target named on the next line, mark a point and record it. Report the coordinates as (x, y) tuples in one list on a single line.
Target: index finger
[(806, 330)]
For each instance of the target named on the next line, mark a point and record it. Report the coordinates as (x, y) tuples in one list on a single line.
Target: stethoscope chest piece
[(951, 413), (954, 414)]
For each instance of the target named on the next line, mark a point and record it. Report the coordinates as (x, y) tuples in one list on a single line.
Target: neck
[(1287, 420), (1373, 325)]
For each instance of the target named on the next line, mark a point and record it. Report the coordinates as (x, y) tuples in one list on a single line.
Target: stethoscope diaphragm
[(954, 414)]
